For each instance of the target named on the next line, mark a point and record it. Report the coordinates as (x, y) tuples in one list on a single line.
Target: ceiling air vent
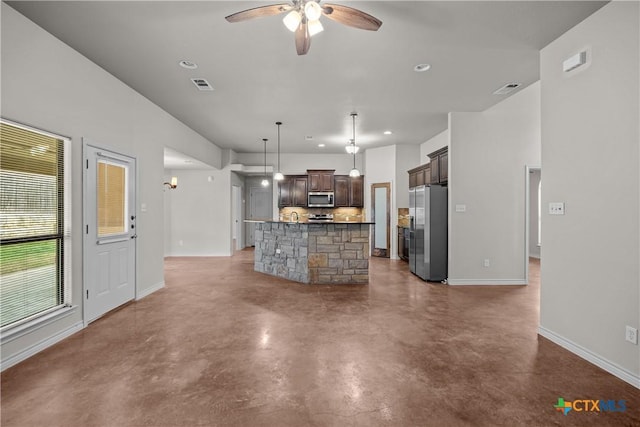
[(202, 84), (510, 87)]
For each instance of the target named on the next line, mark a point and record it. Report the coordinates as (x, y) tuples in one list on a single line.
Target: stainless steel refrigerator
[(428, 232)]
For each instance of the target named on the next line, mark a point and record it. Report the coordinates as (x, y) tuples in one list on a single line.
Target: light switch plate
[(556, 208), (461, 208)]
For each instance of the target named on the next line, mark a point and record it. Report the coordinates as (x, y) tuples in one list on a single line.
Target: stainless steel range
[(320, 217)]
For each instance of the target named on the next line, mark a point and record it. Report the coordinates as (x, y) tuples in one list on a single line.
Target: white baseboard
[(39, 346), (146, 292), (486, 282), (591, 357)]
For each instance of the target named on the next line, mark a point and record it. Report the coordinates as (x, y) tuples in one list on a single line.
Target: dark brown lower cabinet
[(403, 243)]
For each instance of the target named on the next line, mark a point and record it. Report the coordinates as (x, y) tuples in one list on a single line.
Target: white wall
[(590, 160), (201, 213), (488, 152), (381, 168), (433, 144), (406, 158), (50, 86)]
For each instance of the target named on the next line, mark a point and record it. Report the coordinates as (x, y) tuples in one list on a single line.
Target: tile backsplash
[(339, 214), (403, 217)]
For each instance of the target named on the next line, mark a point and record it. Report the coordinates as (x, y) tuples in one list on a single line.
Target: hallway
[(223, 345)]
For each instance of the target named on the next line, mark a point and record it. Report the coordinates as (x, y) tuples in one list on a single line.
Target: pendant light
[(354, 172), (278, 175), (265, 181)]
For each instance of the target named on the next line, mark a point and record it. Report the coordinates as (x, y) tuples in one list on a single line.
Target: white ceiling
[(474, 48)]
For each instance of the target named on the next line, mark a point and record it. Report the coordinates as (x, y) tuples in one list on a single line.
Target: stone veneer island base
[(314, 253)]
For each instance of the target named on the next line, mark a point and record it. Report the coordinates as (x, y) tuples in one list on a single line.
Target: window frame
[(26, 325)]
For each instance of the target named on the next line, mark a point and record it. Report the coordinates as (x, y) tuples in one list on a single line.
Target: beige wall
[(590, 256)]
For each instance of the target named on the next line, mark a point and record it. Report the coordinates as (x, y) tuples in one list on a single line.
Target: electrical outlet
[(631, 335), (556, 208), (486, 262)]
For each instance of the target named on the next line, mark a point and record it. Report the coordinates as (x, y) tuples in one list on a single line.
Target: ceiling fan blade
[(258, 12), (351, 17), (303, 39)]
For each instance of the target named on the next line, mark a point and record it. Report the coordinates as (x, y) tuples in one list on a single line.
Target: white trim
[(486, 282), (591, 357), (146, 292), (39, 346)]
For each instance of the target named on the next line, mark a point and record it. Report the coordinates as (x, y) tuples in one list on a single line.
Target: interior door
[(260, 208), (109, 230), (381, 215)]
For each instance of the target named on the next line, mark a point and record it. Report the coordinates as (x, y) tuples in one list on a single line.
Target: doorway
[(260, 208), (236, 219), (109, 249), (533, 215), (381, 215)]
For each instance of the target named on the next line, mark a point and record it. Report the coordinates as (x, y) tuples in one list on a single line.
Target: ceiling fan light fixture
[(312, 11), (315, 27), (292, 20)]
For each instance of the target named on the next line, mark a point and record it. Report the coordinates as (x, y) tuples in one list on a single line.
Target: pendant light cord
[(265, 157), (278, 124), (353, 140)]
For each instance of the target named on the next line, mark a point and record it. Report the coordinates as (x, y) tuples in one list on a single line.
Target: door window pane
[(112, 199)]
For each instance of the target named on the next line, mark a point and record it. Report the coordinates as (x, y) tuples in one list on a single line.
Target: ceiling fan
[(304, 18)]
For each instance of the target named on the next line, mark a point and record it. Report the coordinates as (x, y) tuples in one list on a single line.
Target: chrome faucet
[(296, 214)]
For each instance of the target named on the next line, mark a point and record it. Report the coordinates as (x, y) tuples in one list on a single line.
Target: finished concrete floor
[(223, 345)]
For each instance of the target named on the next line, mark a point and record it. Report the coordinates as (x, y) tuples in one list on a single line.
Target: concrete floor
[(223, 345)]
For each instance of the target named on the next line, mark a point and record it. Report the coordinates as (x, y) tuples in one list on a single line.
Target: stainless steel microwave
[(323, 199)]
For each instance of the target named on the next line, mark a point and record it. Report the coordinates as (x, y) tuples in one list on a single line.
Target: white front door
[(109, 231)]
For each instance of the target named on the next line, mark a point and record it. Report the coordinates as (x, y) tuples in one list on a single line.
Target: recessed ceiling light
[(387, 132), (188, 65), (421, 68), (321, 145)]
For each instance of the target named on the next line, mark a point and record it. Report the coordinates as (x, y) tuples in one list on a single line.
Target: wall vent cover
[(509, 87), (202, 84)]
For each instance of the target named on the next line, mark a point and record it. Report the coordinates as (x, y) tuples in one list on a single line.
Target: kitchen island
[(314, 253)]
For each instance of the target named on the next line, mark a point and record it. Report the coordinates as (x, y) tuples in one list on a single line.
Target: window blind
[(31, 224)]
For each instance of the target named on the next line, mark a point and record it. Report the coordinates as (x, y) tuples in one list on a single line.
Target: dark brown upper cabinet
[(321, 179), (420, 175), (440, 166), (349, 192), (292, 191)]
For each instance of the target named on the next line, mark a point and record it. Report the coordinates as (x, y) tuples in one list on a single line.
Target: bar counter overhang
[(313, 253)]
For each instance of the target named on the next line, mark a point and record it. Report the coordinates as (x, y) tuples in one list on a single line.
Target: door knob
[(135, 236)]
